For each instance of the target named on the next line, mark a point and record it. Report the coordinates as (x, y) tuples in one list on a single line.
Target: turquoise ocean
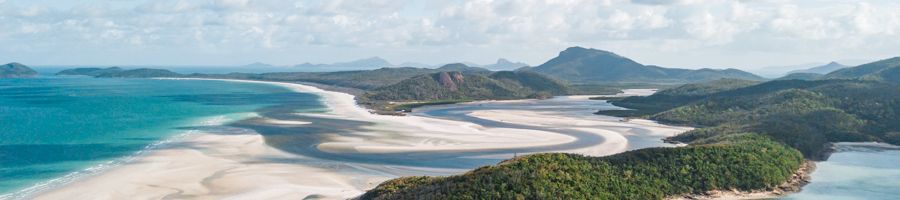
[(57, 129), (54, 130)]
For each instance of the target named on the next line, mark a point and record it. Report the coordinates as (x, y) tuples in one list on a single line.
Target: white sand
[(611, 129), (209, 166)]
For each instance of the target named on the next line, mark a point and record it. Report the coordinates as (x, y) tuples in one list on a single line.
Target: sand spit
[(242, 166)]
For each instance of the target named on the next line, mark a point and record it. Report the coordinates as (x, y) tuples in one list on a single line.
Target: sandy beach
[(211, 165)]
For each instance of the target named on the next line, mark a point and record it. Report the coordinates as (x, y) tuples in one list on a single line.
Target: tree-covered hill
[(589, 66), (357, 79), (806, 115), (743, 162), (469, 86), (673, 97), (867, 71), (752, 136)]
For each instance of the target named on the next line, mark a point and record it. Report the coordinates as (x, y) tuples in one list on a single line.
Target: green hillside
[(752, 136), (673, 97), (468, 86), (742, 162), (803, 114), (870, 70)]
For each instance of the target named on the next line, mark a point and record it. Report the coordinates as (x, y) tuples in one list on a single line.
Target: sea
[(55, 130)]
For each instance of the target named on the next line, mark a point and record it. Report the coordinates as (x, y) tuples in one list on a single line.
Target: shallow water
[(53, 127), (856, 171)]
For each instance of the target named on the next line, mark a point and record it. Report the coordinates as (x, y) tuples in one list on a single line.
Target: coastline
[(218, 165), (799, 179)]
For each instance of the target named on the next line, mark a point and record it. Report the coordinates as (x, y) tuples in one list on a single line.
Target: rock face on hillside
[(582, 65), (16, 70)]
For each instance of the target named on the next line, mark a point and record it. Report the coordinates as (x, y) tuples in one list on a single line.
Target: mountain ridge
[(823, 69), (583, 65)]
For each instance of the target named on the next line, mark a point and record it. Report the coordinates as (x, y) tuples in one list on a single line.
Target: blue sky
[(680, 33)]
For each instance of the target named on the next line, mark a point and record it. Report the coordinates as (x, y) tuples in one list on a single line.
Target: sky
[(744, 34)]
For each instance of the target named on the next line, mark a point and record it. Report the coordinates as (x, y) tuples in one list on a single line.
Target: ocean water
[(856, 171), (57, 128)]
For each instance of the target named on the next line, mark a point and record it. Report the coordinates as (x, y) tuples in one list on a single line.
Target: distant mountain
[(503, 64), (414, 64), (362, 64), (824, 69), (116, 72), (883, 70), (782, 70), (580, 65), (462, 68), (801, 76), (456, 85), (139, 73), (89, 71), (258, 65), (16, 70)]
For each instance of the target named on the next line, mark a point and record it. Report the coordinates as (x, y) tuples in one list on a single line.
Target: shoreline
[(213, 165), (105, 166), (799, 179)]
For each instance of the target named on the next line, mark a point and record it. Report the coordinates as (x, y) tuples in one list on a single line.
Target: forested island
[(753, 136), (16, 70)]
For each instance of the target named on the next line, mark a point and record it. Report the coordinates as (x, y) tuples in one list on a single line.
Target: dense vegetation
[(806, 115), (589, 66), (674, 97), (16, 70), (752, 136), (866, 71), (469, 86), (744, 162)]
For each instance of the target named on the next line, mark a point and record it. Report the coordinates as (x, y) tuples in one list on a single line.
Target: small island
[(16, 70)]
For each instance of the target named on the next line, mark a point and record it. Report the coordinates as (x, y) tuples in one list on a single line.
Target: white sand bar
[(210, 166)]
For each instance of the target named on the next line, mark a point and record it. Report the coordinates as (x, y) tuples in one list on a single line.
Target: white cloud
[(267, 26)]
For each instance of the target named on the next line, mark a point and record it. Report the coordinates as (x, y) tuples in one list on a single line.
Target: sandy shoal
[(210, 166)]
